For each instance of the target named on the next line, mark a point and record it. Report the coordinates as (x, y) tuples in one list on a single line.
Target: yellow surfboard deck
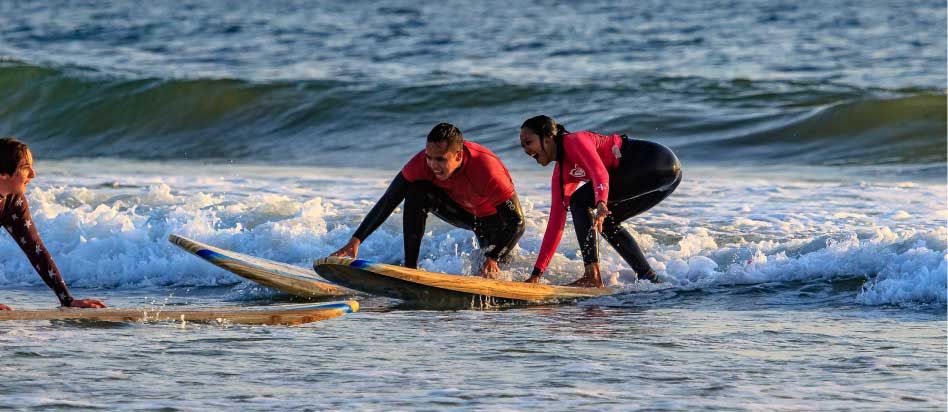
[(438, 289), (258, 315), (286, 278)]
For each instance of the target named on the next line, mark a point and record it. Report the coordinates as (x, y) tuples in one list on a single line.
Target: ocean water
[(805, 250)]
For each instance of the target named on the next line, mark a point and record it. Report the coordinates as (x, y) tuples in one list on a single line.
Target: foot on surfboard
[(588, 282)]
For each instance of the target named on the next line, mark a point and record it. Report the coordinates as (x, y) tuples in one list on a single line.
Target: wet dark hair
[(544, 126), (447, 132), (12, 151)]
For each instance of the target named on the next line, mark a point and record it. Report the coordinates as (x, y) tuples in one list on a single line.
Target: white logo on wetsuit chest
[(577, 172)]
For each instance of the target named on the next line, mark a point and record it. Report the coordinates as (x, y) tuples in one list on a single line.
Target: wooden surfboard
[(438, 289), (257, 315), (293, 280)]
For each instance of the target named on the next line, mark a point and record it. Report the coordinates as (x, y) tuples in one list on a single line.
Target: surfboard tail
[(289, 279)]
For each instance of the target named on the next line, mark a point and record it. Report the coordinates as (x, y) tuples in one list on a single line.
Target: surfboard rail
[(413, 284), (287, 315), (290, 279)]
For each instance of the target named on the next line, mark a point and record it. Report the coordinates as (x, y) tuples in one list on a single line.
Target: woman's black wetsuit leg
[(647, 173)]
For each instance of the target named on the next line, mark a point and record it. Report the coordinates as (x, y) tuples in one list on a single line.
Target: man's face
[(441, 160)]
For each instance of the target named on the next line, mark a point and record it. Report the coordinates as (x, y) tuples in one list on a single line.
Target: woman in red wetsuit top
[(624, 177), (461, 182), (16, 171)]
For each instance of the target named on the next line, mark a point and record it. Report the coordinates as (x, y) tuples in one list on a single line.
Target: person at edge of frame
[(16, 171)]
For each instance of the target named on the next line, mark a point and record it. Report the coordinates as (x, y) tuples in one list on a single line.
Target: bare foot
[(5, 307), (588, 282), (591, 277), (535, 278)]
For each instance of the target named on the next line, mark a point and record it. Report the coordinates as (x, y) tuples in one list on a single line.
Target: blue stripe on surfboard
[(211, 255), (360, 264), (345, 307)]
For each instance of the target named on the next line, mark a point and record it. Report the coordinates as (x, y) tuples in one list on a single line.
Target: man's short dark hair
[(447, 132)]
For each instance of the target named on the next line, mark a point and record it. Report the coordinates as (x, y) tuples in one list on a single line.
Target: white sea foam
[(109, 229)]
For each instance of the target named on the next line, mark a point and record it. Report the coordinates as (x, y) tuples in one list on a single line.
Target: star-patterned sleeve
[(18, 222)]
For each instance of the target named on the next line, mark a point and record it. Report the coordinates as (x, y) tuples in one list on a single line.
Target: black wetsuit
[(496, 234), (647, 173)]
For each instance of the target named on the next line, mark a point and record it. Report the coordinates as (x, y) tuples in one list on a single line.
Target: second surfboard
[(443, 290)]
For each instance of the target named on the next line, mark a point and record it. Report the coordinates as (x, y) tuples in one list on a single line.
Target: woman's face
[(531, 146), (16, 183)]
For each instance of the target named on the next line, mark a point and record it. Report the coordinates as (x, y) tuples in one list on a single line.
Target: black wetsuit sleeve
[(19, 223), (393, 196), (505, 229)]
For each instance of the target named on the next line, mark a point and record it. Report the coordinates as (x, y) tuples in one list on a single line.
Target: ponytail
[(544, 126)]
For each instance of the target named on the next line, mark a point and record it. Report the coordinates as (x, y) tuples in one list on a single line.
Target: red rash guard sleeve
[(584, 152), (554, 227), (498, 187)]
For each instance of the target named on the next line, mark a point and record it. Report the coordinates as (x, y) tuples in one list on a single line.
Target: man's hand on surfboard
[(490, 269), (5, 307), (351, 249), (87, 303)]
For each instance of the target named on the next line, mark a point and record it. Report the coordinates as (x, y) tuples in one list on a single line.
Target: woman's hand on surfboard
[(535, 276), (351, 249), (601, 212), (5, 307), (87, 303)]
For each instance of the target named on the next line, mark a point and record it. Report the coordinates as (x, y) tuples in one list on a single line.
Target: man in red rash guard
[(16, 171), (623, 178), (462, 183)]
